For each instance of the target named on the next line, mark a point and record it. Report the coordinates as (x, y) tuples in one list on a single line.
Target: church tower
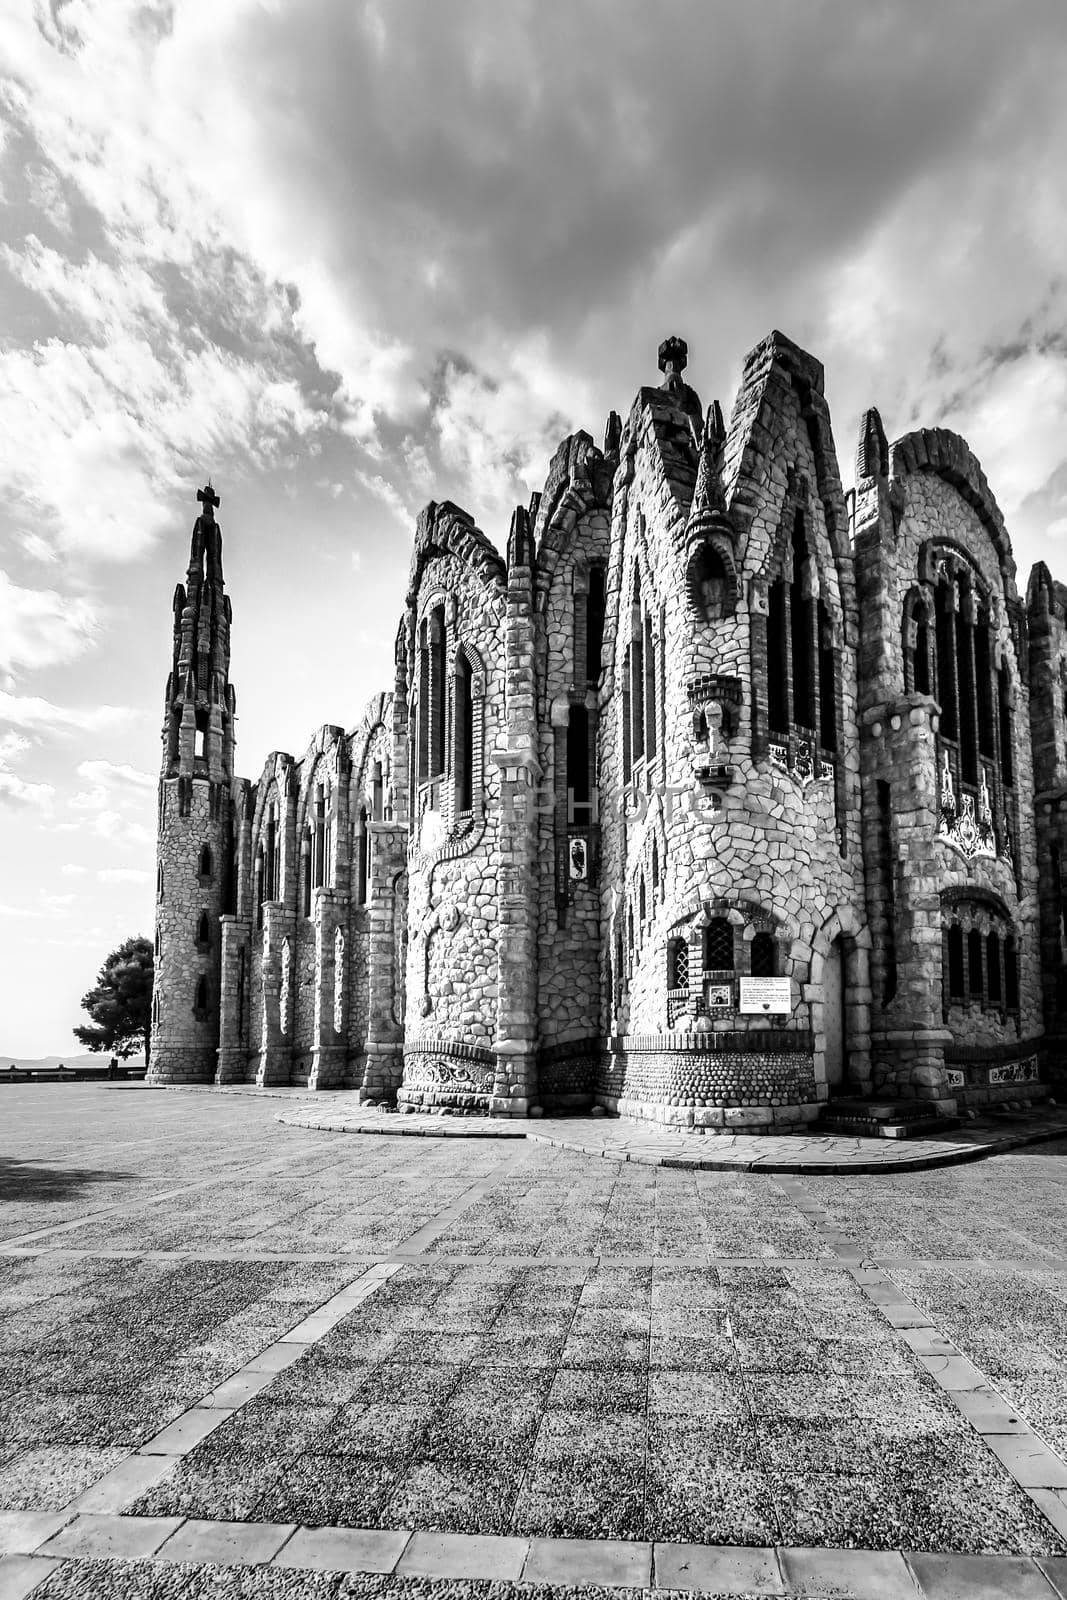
[(194, 852)]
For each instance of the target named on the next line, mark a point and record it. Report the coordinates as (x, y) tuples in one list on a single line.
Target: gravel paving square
[(49, 1477), (600, 1501), (450, 1497), (705, 1504)]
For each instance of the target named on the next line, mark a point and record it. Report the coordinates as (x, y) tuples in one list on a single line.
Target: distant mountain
[(49, 1063)]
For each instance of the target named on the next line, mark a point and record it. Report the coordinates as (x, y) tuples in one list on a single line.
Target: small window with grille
[(764, 956), (718, 946), (677, 964)]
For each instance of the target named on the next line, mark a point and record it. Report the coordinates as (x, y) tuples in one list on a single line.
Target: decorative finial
[(673, 355), (209, 500), (709, 501)]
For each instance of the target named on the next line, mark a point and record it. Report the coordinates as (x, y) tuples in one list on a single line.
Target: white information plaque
[(766, 995)]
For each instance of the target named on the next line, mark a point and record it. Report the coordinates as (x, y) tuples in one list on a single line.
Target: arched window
[(677, 963), (718, 946), (200, 740), (207, 863), (422, 710), (764, 956), (637, 674), (463, 736), (203, 931)]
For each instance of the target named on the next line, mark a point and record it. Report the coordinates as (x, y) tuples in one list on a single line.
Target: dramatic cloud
[(39, 626), (33, 713)]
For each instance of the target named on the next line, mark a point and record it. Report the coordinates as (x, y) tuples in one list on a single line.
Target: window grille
[(764, 956), (718, 945), (677, 964)]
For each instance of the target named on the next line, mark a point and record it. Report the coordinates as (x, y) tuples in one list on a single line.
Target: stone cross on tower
[(209, 500)]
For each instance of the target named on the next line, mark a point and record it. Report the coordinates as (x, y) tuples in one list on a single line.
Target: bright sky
[(347, 257)]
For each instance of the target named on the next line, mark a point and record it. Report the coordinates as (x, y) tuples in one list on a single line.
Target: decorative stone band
[(446, 1072), (755, 1041), (712, 1088)]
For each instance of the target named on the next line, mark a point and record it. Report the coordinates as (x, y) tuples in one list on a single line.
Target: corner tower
[(194, 848)]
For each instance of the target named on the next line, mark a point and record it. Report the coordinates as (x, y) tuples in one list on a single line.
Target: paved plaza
[(247, 1358)]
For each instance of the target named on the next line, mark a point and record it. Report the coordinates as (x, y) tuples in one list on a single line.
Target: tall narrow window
[(203, 931), (1011, 975), (159, 881), (200, 995), (945, 624), (1007, 759), (642, 904), (655, 867), (305, 872), (595, 607), (777, 660), (651, 714), (921, 668), (718, 945), (318, 876), (983, 670), (994, 987), (422, 714), (463, 734), (578, 808), (764, 956), (437, 692), (827, 681), (376, 791), (974, 964), (801, 631), (637, 684), (968, 692), (957, 987), (627, 726), (207, 864), (270, 858), (363, 861)]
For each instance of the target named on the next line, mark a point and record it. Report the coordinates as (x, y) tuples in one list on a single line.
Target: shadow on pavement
[(28, 1180)]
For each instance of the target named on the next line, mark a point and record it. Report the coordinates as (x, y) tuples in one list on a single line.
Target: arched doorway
[(833, 1014)]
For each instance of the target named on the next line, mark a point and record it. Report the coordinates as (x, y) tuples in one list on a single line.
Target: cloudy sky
[(346, 257)]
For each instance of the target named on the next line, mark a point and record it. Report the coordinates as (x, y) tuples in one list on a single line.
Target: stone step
[(881, 1110), (873, 1128)]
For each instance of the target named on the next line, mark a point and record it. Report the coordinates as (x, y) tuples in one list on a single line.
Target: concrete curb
[(644, 1152)]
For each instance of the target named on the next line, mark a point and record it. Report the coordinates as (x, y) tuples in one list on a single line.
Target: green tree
[(120, 1004)]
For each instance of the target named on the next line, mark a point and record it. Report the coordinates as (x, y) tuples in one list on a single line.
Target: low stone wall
[(761, 1079), (568, 1075)]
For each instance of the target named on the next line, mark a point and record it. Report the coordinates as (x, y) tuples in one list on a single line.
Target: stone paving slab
[(653, 1145), (501, 1568)]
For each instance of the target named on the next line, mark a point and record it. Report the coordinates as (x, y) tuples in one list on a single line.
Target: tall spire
[(200, 703)]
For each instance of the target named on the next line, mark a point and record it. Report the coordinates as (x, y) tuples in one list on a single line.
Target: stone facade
[(710, 798)]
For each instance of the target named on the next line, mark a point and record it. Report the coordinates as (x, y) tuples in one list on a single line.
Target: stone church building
[(710, 799)]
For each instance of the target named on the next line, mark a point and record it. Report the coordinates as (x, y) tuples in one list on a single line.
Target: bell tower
[(194, 850)]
